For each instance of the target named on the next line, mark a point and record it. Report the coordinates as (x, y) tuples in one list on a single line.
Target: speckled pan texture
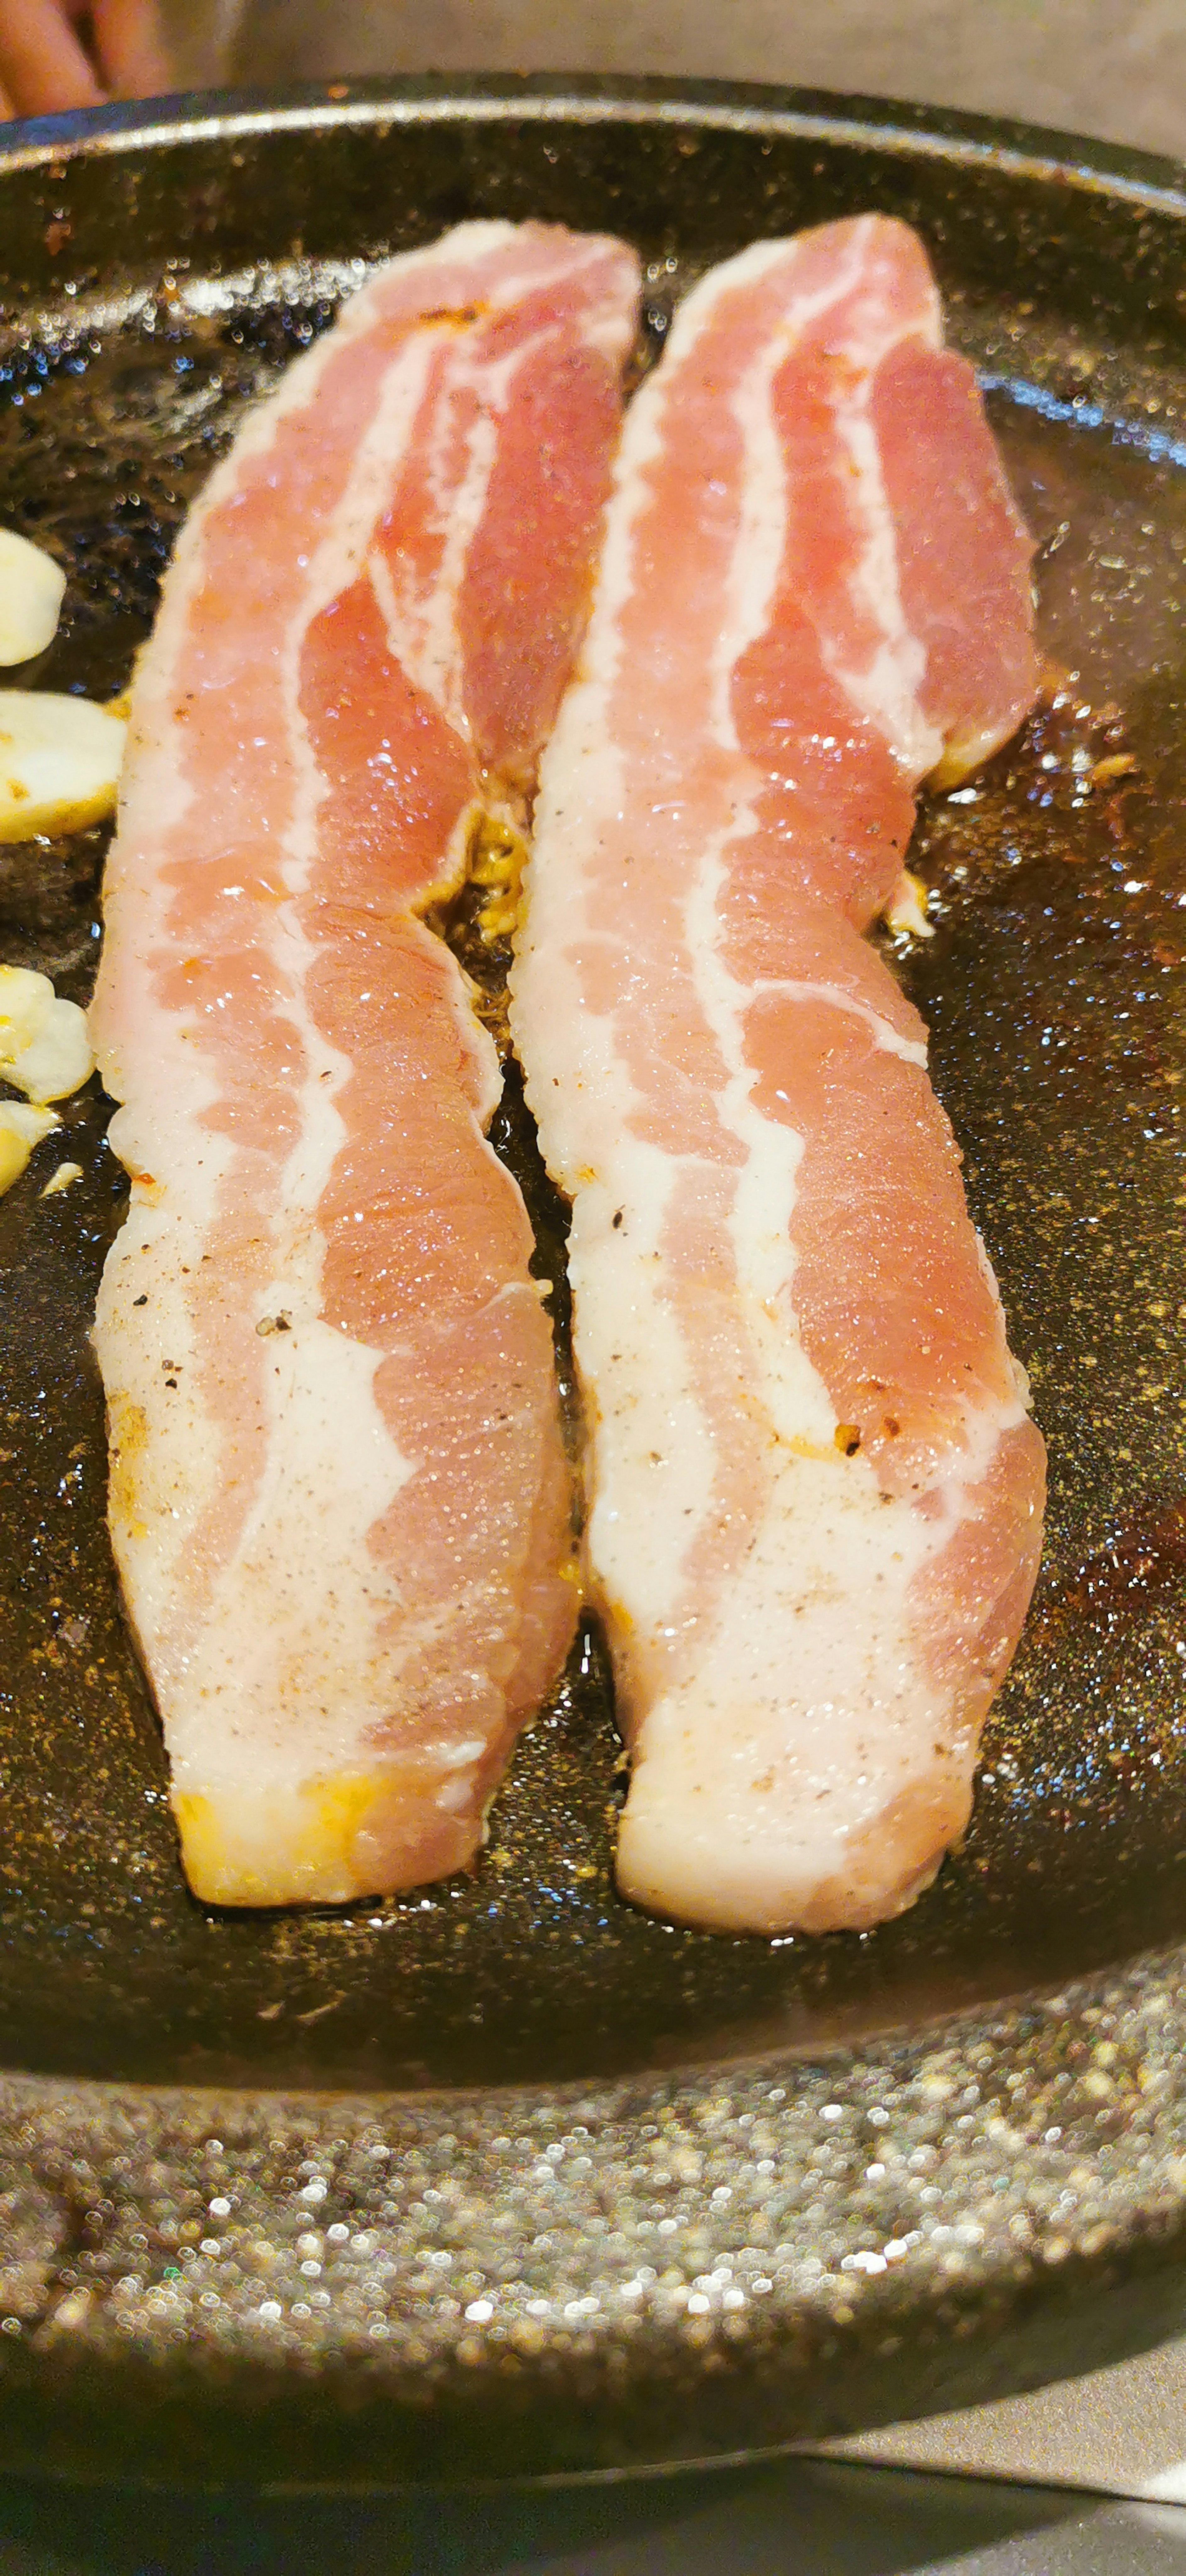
[(505, 2178)]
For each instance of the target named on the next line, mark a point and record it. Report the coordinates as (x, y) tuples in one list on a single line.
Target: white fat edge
[(629, 1346), (293, 391), (288, 1670), (455, 1795), (582, 784), (886, 690), (153, 797), (162, 1130), (627, 1342), (608, 327), (609, 324), (806, 1715), (567, 258), (163, 1123), (149, 1052), (580, 787), (147, 1055), (304, 1648), (805, 1712), (642, 1403), (154, 794), (346, 548), (1020, 1375), (581, 733), (984, 1425), (1021, 1381), (173, 1475)]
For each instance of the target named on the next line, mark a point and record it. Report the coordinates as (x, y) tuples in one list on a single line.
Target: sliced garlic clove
[(59, 762), (32, 588), (45, 1049), (59, 1059), (63, 1179), (21, 1128), (906, 911)]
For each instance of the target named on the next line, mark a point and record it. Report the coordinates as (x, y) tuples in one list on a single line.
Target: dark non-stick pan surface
[(157, 271)]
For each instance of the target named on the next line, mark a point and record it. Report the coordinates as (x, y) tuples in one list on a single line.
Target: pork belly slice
[(814, 1493), (339, 1502)]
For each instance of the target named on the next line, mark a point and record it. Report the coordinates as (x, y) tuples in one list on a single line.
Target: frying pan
[(502, 2177)]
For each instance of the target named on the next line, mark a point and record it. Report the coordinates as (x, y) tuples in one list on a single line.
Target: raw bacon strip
[(338, 1497), (815, 1498)]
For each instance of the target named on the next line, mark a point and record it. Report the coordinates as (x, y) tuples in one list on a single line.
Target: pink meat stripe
[(814, 1493), (338, 1497)]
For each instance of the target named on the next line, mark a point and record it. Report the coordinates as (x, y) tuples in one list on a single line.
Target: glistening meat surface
[(338, 1497), (814, 1493)]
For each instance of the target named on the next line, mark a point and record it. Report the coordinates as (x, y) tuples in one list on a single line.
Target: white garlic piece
[(32, 588), (45, 1049), (21, 1128), (60, 760), (63, 1179)]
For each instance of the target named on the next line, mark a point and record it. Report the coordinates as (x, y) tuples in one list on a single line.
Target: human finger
[(129, 43), (43, 66)]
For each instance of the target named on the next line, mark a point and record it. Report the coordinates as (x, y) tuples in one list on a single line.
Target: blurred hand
[(76, 53)]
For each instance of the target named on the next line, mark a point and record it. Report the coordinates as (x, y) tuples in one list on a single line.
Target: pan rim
[(1010, 145)]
